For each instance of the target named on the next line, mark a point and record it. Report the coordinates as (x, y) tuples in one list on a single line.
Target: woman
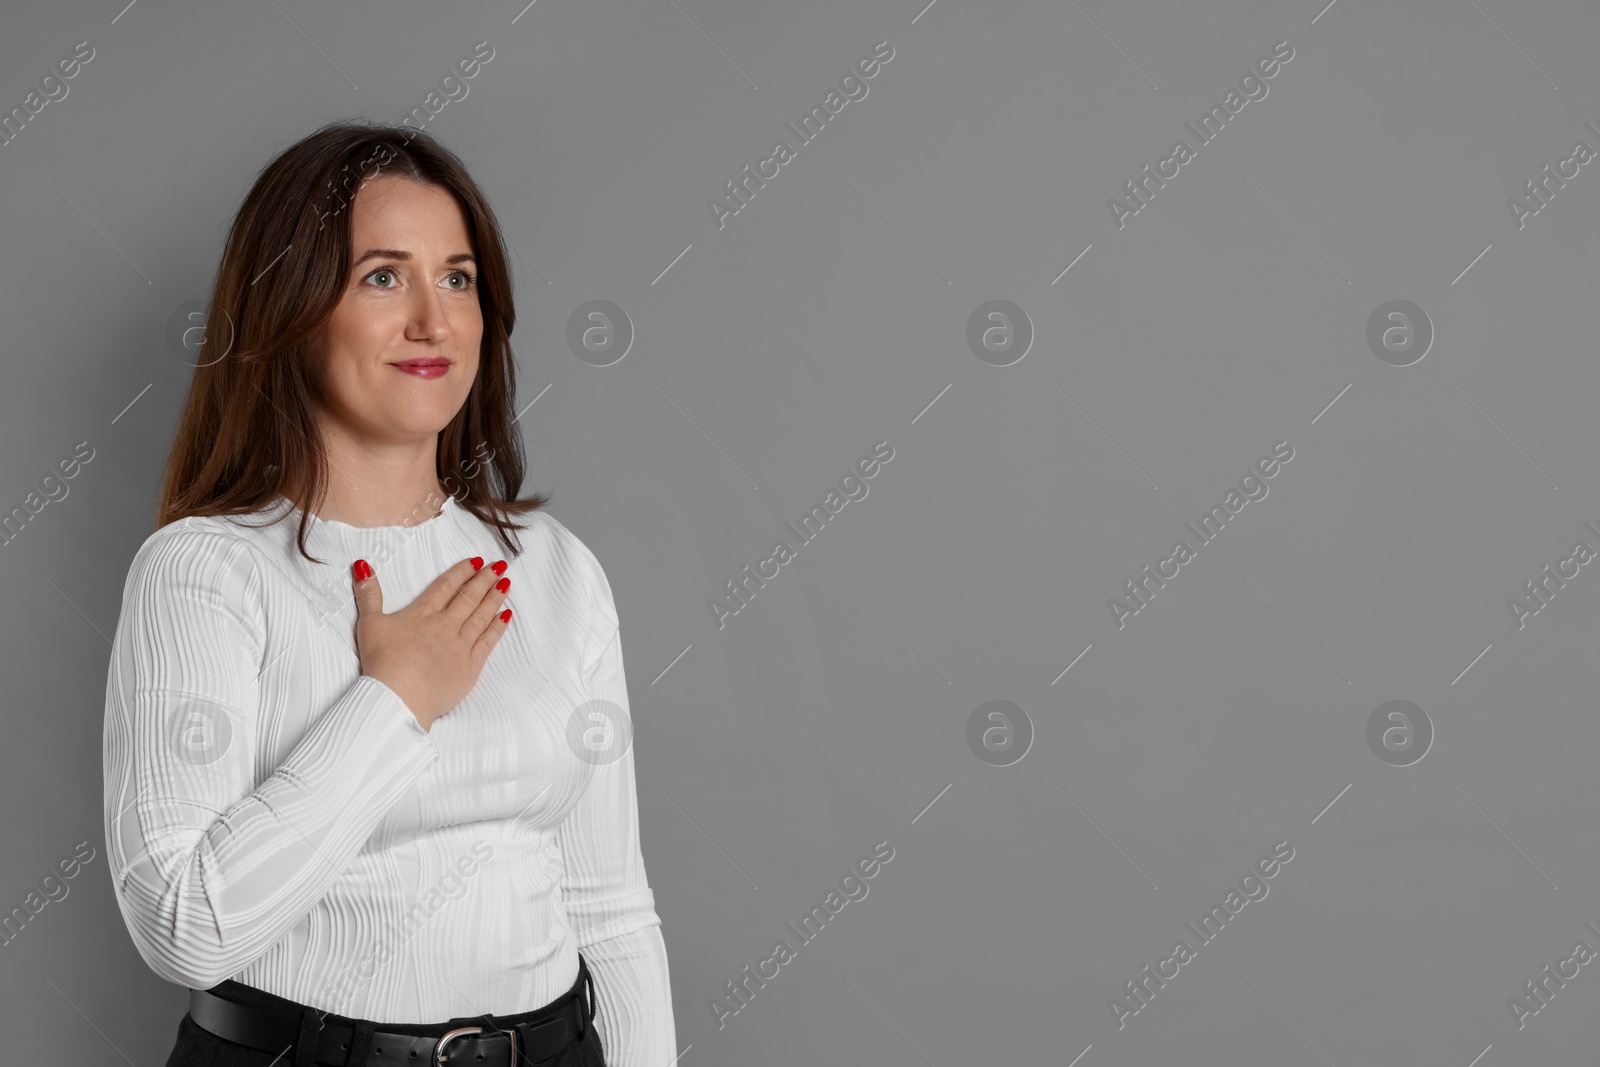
[(359, 834)]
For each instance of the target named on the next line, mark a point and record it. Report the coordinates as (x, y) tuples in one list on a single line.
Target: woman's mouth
[(424, 368)]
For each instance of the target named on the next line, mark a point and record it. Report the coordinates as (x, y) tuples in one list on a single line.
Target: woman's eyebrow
[(398, 253)]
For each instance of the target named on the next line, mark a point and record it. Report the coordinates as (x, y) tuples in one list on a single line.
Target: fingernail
[(477, 563), (362, 569), (503, 584), (499, 568), (505, 616)]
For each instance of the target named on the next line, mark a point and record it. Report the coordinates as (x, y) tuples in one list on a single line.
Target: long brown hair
[(247, 433)]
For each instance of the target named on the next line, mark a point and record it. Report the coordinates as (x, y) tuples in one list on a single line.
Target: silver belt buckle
[(438, 1055)]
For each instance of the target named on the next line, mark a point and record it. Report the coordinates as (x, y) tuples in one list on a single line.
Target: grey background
[(832, 711)]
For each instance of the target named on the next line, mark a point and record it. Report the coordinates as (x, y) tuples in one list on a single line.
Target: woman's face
[(411, 295)]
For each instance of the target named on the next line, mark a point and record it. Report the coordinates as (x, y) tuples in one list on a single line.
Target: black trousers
[(201, 1048)]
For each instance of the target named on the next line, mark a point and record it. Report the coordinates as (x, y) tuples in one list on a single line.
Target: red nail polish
[(505, 616), (362, 570), (503, 584), (477, 563), (499, 568)]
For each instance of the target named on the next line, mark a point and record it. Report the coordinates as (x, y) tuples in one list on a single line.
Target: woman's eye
[(467, 279)]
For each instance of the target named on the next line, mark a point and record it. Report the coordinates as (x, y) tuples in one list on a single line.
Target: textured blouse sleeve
[(211, 866), (607, 899)]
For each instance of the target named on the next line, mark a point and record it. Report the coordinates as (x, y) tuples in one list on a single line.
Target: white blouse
[(276, 817)]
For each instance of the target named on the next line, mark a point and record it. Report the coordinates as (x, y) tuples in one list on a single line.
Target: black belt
[(516, 1045)]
